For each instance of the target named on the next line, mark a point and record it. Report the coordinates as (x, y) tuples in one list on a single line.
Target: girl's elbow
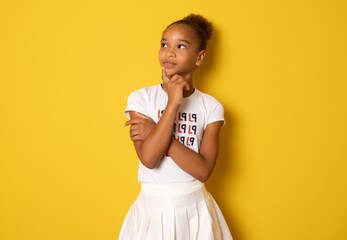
[(202, 179), (147, 163), (203, 176)]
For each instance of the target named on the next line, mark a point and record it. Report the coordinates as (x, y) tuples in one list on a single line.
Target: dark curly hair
[(201, 26)]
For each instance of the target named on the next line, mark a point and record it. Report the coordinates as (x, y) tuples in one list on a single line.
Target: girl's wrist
[(172, 105)]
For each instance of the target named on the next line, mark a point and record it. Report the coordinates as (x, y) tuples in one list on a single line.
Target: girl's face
[(179, 52)]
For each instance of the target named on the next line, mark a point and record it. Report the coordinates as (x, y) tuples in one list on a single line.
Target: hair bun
[(205, 25)]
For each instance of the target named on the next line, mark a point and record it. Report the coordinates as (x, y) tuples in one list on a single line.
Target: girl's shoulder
[(148, 94), (207, 98), (213, 108)]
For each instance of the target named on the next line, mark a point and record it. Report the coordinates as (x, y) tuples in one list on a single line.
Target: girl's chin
[(170, 73)]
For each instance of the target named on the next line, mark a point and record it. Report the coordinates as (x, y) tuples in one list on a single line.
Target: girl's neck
[(190, 91), (191, 85)]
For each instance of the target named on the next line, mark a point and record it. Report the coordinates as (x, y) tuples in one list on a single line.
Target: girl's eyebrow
[(181, 40)]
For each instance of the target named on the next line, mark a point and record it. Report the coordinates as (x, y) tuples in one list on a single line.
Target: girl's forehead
[(182, 30)]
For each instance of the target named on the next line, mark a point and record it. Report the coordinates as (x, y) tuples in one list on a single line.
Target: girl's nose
[(170, 53)]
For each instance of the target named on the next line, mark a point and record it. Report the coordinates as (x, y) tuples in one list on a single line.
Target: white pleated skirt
[(176, 211)]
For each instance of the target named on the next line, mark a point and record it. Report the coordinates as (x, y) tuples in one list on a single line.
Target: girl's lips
[(169, 64)]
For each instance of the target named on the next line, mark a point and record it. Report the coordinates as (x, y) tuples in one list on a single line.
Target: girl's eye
[(181, 46), (163, 45)]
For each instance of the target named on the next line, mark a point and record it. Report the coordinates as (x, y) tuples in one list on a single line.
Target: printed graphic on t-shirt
[(184, 128)]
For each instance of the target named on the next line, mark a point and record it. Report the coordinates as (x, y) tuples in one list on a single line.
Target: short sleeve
[(136, 102), (216, 112)]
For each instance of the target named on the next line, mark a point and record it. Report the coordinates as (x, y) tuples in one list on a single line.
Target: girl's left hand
[(140, 127), (174, 86)]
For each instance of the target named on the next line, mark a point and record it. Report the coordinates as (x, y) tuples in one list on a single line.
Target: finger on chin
[(164, 75)]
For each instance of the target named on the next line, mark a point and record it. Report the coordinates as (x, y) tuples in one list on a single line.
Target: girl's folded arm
[(199, 165), (151, 149)]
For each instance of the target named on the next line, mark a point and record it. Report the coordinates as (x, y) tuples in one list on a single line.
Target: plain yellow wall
[(68, 169)]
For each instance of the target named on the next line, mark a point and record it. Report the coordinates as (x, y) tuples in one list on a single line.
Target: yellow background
[(68, 169)]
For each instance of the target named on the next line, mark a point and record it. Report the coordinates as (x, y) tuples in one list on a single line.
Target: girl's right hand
[(174, 87), (140, 126)]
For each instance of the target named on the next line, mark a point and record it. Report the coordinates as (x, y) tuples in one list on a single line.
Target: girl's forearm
[(199, 165), (190, 161), (159, 139)]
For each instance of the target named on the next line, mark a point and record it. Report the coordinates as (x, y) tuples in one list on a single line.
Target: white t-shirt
[(193, 116)]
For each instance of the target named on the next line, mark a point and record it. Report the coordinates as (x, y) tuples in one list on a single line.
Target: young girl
[(175, 130)]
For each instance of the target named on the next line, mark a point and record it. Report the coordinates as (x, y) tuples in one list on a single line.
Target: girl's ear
[(200, 58)]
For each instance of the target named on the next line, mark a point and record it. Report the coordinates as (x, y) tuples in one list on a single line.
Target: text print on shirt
[(184, 128)]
